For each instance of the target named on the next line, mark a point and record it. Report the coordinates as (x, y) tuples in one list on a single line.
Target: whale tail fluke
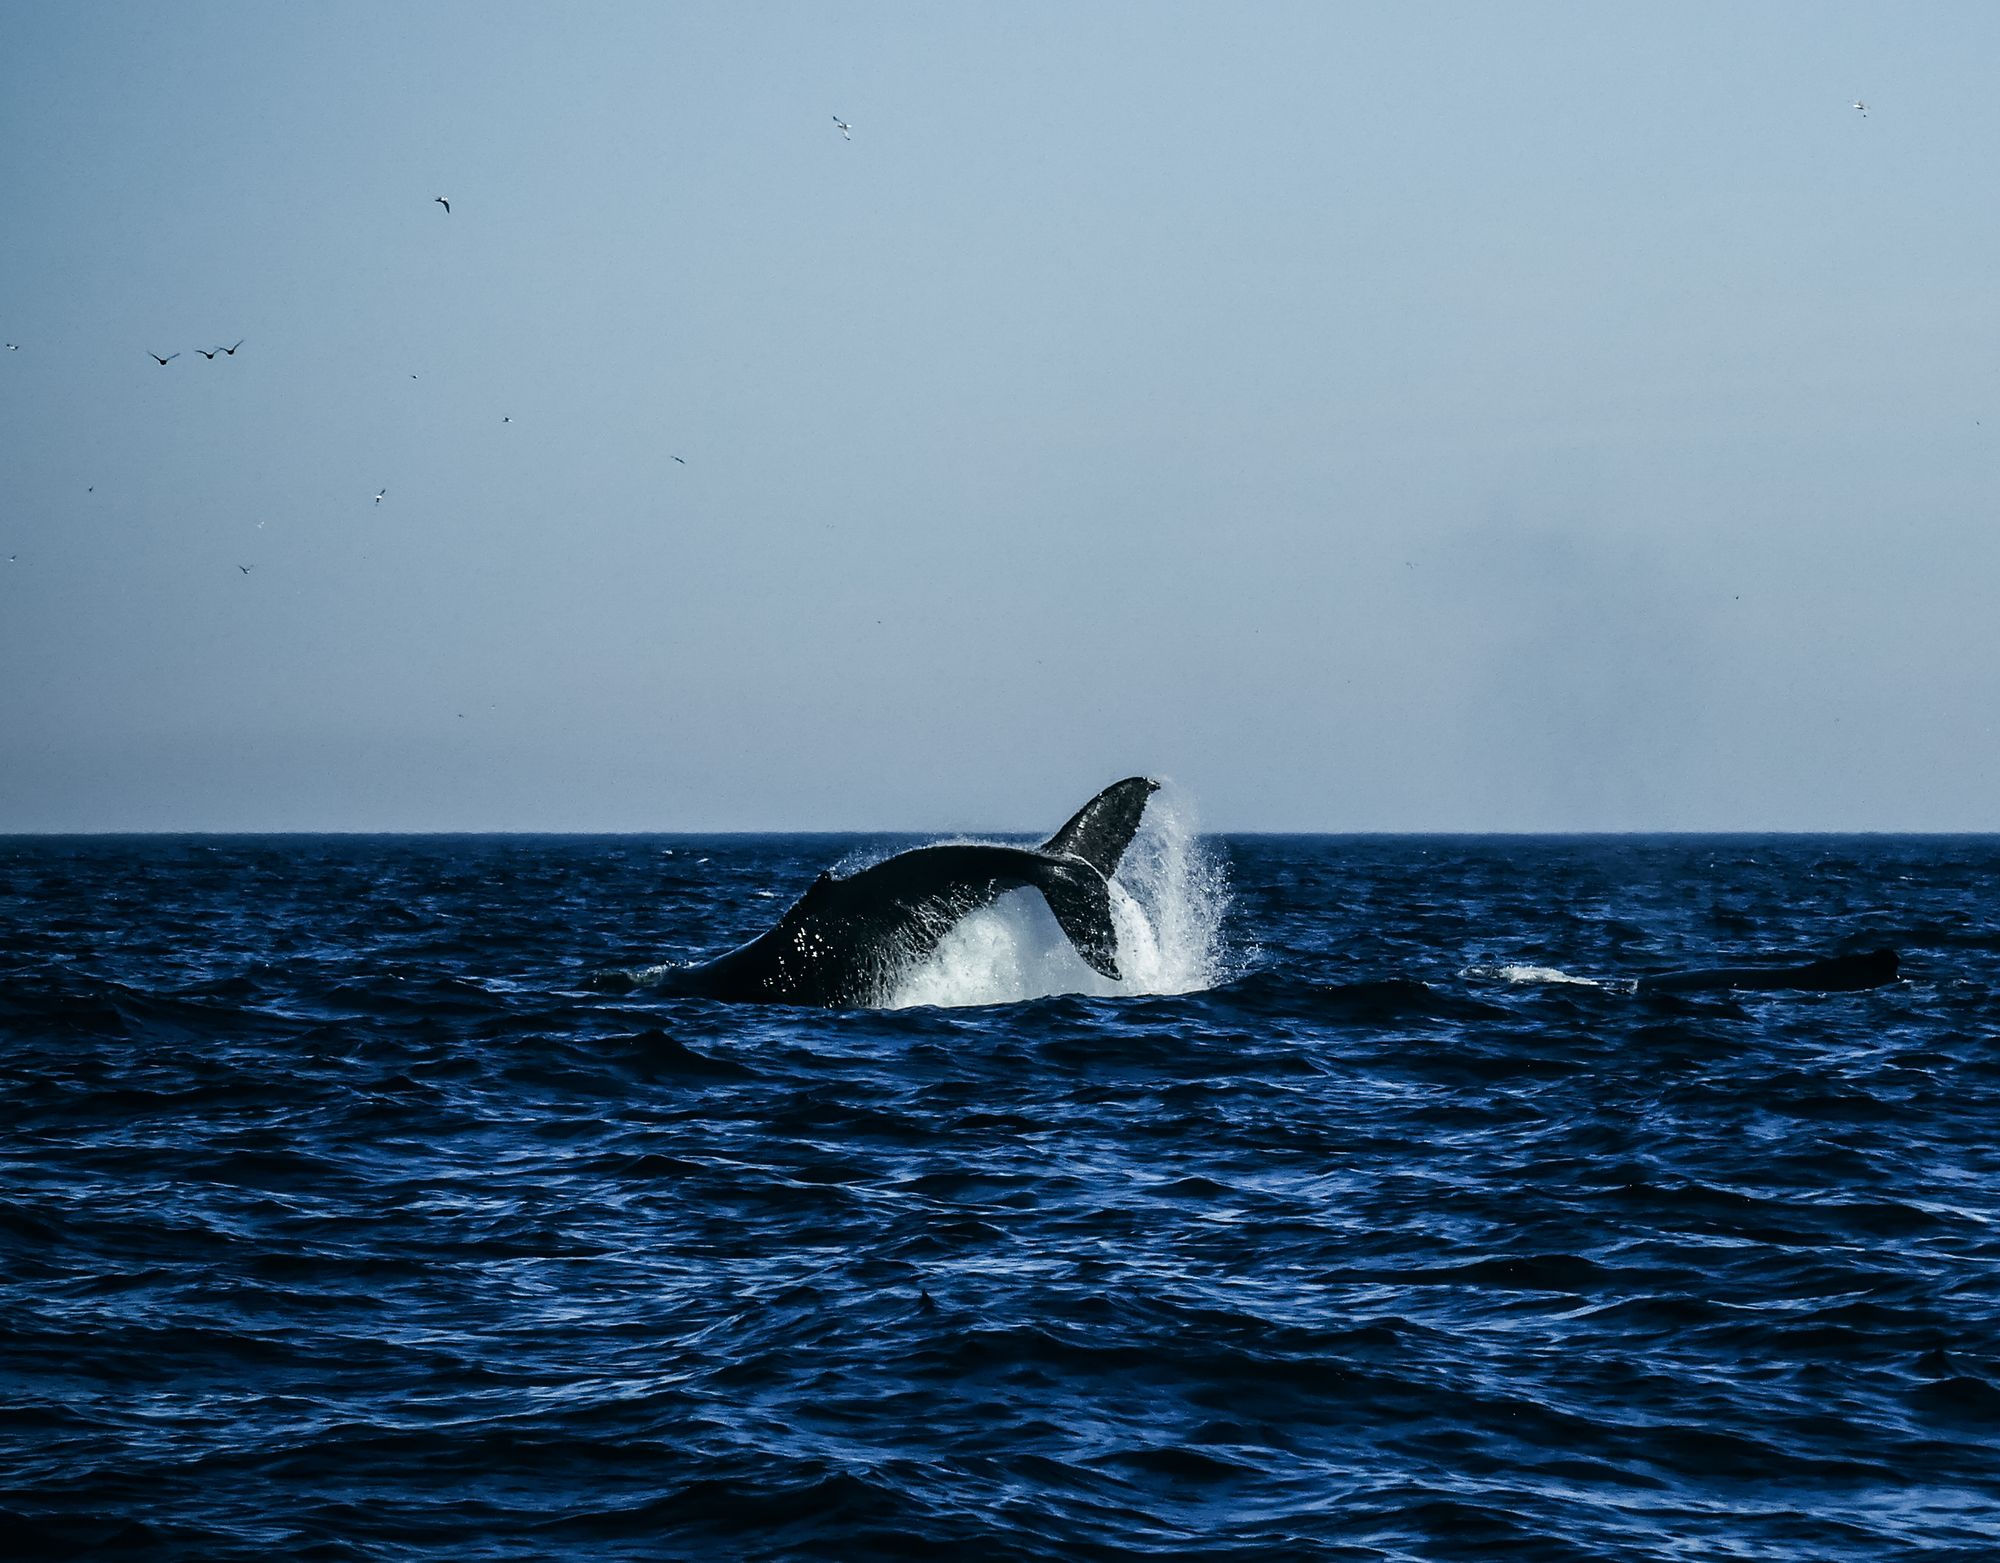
[(1103, 828), (1081, 901)]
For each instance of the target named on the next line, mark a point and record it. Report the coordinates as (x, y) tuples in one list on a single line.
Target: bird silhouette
[(244, 568), (1860, 108), (205, 353), (441, 201), (13, 347), (378, 497), (163, 362), (843, 128), (681, 459), (231, 351)]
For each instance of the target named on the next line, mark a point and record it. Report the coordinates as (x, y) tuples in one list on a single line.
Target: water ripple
[(340, 1218)]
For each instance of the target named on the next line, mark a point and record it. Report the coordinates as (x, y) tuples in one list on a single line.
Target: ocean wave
[(340, 1219)]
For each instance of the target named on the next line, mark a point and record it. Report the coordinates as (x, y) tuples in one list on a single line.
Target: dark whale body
[(846, 941), (1835, 974)]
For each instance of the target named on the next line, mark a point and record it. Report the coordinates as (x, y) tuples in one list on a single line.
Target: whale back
[(1833, 974)]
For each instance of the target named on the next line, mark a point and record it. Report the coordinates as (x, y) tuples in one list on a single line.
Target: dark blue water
[(339, 1219)]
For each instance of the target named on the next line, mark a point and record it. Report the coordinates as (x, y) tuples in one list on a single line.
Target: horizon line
[(1457, 833)]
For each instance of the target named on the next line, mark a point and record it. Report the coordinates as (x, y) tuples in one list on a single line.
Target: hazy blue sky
[(1472, 416)]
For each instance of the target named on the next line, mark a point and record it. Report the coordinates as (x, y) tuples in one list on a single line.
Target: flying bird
[(205, 353), (163, 362), (506, 420), (441, 201), (244, 568), (13, 347), (231, 351), (681, 459), (843, 128), (1860, 108), (378, 497)]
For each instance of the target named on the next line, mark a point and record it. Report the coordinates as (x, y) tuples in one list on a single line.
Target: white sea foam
[(1524, 974), (1167, 904)]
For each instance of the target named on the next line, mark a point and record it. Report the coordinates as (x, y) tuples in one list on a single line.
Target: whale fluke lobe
[(1103, 828), (1081, 900)]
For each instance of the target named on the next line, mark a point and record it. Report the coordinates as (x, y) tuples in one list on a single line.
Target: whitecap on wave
[(1529, 974)]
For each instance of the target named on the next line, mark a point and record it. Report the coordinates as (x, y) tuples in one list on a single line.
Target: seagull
[(205, 353), (843, 128), (441, 201), (231, 351), (378, 497), (506, 420), (681, 459), (244, 568), (1860, 108), (163, 362), (13, 347)]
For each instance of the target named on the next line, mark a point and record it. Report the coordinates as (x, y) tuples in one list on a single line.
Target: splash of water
[(1167, 905)]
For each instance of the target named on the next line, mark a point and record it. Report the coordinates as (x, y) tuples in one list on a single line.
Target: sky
[(1369, 417)]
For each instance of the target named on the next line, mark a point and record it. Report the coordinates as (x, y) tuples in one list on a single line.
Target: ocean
[(1370, 1216)]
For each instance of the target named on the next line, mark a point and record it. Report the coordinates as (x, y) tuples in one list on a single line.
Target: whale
[(845, 943), (1832, 974)]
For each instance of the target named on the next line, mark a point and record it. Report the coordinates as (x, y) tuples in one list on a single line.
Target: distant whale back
[(1834, 974)]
